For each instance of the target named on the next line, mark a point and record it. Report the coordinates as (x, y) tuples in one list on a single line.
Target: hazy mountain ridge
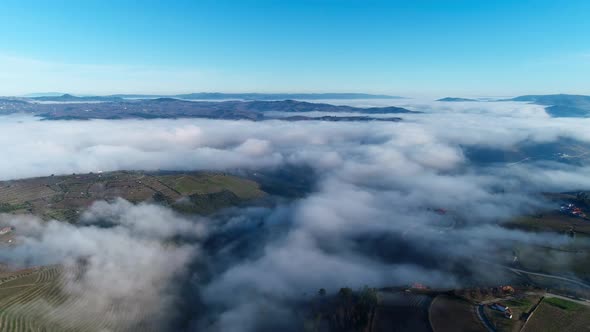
[(71, 98), (339, 118), (213, 96), (176, 108), (560, 105), (453, 99)]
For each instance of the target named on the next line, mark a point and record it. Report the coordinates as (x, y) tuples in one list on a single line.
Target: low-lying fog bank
[(370, 218)]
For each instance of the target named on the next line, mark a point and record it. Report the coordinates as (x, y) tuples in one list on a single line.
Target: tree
[(581, 197), (158, 197), (345, 292), (369, 297)]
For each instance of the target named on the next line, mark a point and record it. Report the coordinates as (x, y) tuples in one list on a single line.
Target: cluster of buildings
[(6, 230), (572, 210), (507, 289), (418, 285), (503, 309)]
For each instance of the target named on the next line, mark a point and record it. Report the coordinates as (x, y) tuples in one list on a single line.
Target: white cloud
[(369, 219)]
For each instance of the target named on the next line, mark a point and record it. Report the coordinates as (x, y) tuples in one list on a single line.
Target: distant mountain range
[(248, 105), (71, 98), (561, 105), (456, 99), (557, 105), (211, 96), (119, 108), (331, 118), (43, 94)]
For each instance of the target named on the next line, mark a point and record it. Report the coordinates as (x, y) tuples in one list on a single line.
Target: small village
[(573, 210)]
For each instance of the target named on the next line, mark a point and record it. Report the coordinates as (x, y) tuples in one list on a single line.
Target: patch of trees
[(347, 311), (582, 199), (159, 198), (7, 207)]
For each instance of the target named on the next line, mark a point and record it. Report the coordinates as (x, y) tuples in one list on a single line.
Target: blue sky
[(397, 47)]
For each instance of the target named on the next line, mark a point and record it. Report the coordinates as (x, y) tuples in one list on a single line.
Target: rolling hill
[(64, 197)]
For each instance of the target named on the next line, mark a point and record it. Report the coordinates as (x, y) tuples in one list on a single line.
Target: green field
[(564, 304), (191, 184), (65, 197)]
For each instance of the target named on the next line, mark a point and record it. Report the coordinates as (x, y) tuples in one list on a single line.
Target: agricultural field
[(556, 217), (562, 287), (559, 315), (34, 300), (569, 257), (65, 197), (573, 261), (462, 311), (205, 183), (552, 221), (41, 298), (402, 311)]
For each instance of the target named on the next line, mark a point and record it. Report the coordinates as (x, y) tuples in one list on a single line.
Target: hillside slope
[(65, 197)]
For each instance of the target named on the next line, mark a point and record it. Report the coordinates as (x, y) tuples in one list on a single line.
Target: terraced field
[(35, 300), (65, 197)]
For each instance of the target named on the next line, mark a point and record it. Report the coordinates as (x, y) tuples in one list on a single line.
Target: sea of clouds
[(368, 218)]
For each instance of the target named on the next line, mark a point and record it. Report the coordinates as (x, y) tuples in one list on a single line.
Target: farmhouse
[(6, 230), (572, 210), (503, 309)]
